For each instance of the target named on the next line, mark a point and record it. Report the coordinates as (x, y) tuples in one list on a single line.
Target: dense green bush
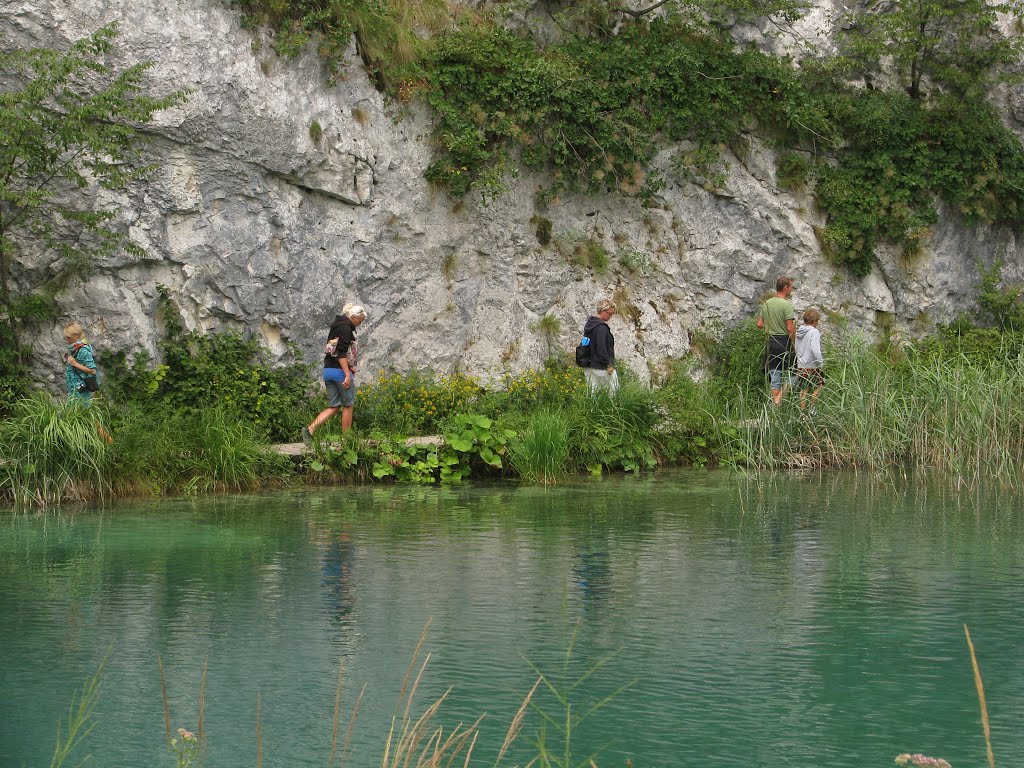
[(414, 403), (902, 155), (689, 432), (735, 359), (222, 370), (593, 111)]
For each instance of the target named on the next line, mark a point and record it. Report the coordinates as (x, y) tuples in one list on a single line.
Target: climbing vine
[(593, 112), (592, 108)]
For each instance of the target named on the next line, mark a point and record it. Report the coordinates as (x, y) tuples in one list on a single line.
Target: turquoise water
[(794, 621)]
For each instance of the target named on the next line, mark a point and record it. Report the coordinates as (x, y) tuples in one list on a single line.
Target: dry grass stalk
[(259, 740), (337, 710), (412, 733), (163, 691), (351, 725), (202, 702), (416, 743), (517, 723), (981, 700), (412, 665), (469, 751)]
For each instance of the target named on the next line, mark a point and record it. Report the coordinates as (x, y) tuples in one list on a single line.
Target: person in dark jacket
[(339, 370), (601, 372)]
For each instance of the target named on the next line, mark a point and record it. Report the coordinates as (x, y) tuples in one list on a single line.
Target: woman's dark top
[(344, 331)]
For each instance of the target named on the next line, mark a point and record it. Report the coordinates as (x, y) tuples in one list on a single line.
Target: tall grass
[(52, 453), (541, 453), (616, 432), (953, 415)]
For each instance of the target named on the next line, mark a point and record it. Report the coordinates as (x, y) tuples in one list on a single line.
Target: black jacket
[(344, 331), (602, 342)]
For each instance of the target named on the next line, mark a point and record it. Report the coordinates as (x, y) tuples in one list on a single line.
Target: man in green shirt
[(777, 317)]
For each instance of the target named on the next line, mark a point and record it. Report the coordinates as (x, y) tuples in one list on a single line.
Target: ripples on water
[(785, 622)]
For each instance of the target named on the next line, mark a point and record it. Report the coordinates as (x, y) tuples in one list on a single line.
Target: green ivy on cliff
[(901, 156), (592, 111)]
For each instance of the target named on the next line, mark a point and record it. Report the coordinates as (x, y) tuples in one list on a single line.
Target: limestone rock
[(280, 196)]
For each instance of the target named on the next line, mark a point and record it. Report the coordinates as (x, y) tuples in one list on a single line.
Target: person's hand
[(347, 382)]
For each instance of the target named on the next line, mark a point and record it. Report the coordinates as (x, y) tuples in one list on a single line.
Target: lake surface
[(790, 621)]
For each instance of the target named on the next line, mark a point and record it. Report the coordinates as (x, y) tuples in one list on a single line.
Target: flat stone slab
[(300, 449)]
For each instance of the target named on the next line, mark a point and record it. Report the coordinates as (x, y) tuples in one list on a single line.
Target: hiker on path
[(339, 370), (79, 365), (809, 360), (777, 317), (601, 371)]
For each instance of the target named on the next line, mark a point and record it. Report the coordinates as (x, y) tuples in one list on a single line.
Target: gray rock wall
[(254, 225)]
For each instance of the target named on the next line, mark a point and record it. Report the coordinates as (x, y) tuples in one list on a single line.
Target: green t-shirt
[(775, 312)]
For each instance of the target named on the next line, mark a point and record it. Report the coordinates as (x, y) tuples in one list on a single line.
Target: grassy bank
[(941, 405), (958, 415), (205, 418), (56, 452)]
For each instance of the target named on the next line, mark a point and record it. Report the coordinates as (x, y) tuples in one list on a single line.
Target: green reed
[(541, 453), (950, 414), (52, 453), (191, 452), (615, 432)]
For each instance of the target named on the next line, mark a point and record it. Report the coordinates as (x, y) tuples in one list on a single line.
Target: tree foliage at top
[(953, 46), (69, 124)]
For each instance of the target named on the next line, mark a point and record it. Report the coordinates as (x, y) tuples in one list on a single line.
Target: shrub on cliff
[(69, 124)]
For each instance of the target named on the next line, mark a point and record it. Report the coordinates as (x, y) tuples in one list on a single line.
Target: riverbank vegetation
[(205, 416), (590, 107)]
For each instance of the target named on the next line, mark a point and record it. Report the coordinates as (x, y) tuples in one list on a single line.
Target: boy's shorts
[(810, 378)]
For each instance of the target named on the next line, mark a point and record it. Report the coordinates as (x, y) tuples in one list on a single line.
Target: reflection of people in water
[(337, 554), (592, 572)]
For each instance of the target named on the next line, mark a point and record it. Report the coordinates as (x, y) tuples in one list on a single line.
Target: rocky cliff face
[(254, 224)]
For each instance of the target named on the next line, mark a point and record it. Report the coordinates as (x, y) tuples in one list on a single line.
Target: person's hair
[(606, 305), (353, 310), (783, 283), (73, 329), (811, 316)]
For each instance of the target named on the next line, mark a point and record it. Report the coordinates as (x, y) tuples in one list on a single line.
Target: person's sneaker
[(307, 436)]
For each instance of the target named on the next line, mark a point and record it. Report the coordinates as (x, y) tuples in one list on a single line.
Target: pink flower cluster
[(186, 735), (921, 761)]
